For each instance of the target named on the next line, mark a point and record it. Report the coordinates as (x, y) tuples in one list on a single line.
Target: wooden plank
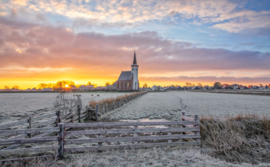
[(115, 124), (139, 138), (32, 140), (186, 118), (133, 130), (43, 117), (67, 117), (131, 146), (4, 126), (190, 126), (27, 150), (23, 135), (44, 123), (27, 131)]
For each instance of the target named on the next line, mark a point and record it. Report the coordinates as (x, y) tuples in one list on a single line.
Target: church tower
[(134, 70)]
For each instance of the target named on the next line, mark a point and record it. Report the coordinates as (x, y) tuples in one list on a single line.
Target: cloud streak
[(225, 15)]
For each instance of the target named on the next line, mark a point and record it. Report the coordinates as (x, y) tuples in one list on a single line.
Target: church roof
[(125, 75)]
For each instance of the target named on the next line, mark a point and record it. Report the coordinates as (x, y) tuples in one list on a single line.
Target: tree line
[(57, 85)]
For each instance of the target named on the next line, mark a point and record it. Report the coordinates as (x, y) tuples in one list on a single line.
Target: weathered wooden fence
[(107, 136)]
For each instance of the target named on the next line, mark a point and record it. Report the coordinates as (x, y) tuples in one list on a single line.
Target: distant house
[(86, 87), (33, 89), (206, 87), (235, 86), (114, 85), (100, 88), (109, 87), (255, 87), (263, 87), (184, 88), (226, 86), (243, 87), (195, 88), (74, 88), (46, 89), (250, 86), (211, 87), (154, 88)]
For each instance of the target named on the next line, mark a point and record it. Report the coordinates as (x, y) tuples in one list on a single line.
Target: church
[(128, 80)]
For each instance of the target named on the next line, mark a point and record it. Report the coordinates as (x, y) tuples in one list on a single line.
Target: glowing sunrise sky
[(176, 41)]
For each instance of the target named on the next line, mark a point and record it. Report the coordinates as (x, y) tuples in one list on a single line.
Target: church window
[(128, 85)]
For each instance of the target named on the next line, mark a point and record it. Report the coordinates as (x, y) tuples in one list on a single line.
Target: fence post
[(96, 112), (61, 140), (88, 112), (169, 134), (58, 120), (197, 119), (100, 137), (79, 113), (183, 114), (135, 135), (30, 125)]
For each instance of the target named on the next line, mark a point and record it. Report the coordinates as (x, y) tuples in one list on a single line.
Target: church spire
[(134, 59)]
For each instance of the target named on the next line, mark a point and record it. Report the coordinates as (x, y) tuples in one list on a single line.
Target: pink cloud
[(32, 46)]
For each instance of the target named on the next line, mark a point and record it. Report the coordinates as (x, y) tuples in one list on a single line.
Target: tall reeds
[(244, 138)]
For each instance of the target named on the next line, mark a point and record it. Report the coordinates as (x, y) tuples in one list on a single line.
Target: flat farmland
[(157, 105)]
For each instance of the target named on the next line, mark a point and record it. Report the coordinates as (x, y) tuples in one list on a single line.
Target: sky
[(176, 41)]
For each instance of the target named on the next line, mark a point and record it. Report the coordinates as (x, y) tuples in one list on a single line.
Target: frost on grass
[(156, 157), (167, 105)]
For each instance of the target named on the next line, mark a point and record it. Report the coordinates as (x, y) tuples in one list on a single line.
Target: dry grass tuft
[(110, 100), (92, 103), (245, 138)]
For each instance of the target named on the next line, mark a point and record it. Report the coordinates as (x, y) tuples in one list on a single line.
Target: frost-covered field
[(153, 105), (14, 106), (155, 157), (167, 105)]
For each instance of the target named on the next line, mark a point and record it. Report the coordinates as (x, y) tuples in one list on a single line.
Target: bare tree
[(6, 87), (199, 84), (16, 87), (217, 85), (145, 85)]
